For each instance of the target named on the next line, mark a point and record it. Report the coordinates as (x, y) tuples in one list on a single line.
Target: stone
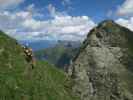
[(98, 70)]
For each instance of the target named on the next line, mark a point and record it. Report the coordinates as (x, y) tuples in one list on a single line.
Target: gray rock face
[(100, 70)]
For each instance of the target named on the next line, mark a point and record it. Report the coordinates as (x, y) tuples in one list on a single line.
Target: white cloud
[(9, 3), (30, 8), (53, 11), (66, 2), (60, 27), (23, 25), (126, 8), (126, 22), (31, 24), (24, 14)]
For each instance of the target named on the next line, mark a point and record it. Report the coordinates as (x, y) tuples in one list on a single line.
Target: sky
[(60, 19)]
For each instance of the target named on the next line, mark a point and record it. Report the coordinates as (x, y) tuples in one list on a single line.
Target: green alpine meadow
[(18, 81)]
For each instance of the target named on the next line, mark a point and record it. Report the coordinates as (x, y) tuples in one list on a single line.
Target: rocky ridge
[(103, 69)]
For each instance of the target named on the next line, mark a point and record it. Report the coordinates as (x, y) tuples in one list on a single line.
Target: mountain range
[(101, 69), (60, 55)]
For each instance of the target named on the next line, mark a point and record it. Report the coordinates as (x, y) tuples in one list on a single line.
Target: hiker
[(29, 56)]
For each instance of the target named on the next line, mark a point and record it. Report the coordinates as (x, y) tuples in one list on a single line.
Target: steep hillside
[(103, 68), (59, 55), (18, 81)]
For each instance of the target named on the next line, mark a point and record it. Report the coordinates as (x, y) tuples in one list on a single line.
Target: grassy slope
[(53, 83), (19, 82)]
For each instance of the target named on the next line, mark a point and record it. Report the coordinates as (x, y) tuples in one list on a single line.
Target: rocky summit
[(103, 68)]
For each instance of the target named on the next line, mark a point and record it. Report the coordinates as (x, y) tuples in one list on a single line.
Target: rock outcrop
[(103, 69)]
